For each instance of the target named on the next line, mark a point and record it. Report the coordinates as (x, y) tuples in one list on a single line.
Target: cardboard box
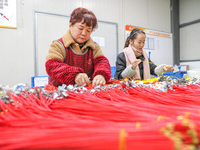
[(184, 68)]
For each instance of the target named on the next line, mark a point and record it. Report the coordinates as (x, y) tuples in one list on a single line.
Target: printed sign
[(8, 16), (151, 36)]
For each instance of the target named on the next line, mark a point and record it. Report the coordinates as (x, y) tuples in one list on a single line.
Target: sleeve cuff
[(159, 70), (128, 72)]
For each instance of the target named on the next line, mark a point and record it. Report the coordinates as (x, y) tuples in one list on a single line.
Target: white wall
[(17, 45), (152, 14), (189, 10), (189, 35)]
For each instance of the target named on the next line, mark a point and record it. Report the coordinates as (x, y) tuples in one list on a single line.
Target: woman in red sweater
[(75, 58)]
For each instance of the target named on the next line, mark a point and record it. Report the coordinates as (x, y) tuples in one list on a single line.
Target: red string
[(94, 120)]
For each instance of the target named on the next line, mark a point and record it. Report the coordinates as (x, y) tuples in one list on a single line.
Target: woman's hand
[(168, 68), (98, 80), (136, 63), (82, 78)]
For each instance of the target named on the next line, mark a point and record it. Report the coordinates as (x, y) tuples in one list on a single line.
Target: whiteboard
[(49, 27), (106, 37), (157, 43)]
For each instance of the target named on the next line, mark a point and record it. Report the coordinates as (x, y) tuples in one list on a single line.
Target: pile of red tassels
[(115, 118)]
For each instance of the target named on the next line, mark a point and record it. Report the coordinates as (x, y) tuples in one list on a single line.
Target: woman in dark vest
[(75, 58), (134, 62)]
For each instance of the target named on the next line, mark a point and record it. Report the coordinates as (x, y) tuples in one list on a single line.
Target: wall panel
[(16, 51), (189, 45), (189, 35), (189, 10), (152, 14)]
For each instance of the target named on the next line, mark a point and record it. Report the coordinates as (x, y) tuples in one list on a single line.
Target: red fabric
[(84, 61), (102, 67), (61, 73)]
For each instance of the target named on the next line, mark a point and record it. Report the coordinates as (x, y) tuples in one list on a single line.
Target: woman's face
[(80, 32), (139, 42)]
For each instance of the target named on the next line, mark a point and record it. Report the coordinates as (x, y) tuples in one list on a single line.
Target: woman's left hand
[(98, 80), (168, 68)]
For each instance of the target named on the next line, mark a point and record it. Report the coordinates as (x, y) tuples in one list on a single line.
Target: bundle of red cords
[(120, 117)]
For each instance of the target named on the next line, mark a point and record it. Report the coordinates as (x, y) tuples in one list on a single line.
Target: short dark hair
[(82, 13), (132, 36)]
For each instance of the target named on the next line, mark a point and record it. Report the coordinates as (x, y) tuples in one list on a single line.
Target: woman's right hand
[(82, 78), (136, 63)]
